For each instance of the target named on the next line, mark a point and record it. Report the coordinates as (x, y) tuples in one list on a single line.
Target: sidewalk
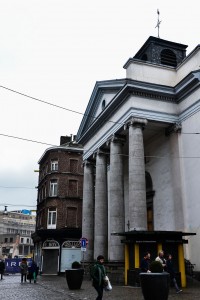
[(87, 292)]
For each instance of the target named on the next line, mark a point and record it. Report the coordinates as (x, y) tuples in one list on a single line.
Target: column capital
[(100, 151), (88, 162), (136, 122), (176, 127), (116, 138)]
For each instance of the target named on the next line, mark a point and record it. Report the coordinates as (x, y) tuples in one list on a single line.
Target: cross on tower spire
[(158, 22)]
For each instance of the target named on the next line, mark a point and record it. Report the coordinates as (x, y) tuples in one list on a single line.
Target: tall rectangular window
[(73, 188), (71, 217), (54, 165), (53, 188), (51, 221), (73, 166)]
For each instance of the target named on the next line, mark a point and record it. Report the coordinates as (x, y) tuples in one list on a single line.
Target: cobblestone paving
[(55, 288)]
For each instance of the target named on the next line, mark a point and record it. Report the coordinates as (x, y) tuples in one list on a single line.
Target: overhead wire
[(70, 110), (92, 151), (54, 105), (25, 139), (16, 187), (84, 114), (9, 204)]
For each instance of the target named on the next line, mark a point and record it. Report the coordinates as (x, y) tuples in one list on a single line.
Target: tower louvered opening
[(144, 57), (168, 58)]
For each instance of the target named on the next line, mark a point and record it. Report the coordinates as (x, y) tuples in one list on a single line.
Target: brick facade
[(67, 174)]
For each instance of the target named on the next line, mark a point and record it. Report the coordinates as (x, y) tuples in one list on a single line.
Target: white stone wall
[(159, 167), (191, 173), (164, 75)]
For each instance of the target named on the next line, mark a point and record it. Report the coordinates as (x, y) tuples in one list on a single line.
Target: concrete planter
[(74, 278), (155, 286)]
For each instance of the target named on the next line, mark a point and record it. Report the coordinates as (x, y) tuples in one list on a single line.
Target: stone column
[(101, 207), (137, 185), (88, 209), (116, 190)]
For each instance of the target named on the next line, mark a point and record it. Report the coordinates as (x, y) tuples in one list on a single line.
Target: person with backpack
[(98, 273)]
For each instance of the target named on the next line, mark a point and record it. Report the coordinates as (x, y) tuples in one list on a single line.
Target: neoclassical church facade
[(142, 156)]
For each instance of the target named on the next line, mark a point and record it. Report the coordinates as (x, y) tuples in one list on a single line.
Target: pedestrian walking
[(32, 272), (2, 268), (98, 272), (170, 270), (23, 269)]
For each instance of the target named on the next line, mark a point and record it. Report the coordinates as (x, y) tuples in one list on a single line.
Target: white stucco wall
[(159, 167), (191, 171), (153, 73)]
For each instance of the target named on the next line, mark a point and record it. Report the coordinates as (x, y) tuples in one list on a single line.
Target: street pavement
[(55, 288)]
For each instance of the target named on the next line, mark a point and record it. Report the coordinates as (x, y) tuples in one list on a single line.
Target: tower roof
[(159, 51)]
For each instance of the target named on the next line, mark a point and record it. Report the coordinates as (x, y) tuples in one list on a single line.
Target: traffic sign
[(84, 242)]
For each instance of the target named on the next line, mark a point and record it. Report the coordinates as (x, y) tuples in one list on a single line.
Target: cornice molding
[(149, 91)]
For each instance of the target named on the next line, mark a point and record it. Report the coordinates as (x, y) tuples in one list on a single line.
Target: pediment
[(103, 94)]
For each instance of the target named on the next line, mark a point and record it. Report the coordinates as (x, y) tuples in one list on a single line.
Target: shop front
[(50, 257)]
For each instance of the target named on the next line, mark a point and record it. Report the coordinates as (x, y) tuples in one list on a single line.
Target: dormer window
[(103, 105), (168, 57)]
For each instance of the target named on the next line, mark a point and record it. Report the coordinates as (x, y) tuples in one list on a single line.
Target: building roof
[(157, 235), (72, 147)]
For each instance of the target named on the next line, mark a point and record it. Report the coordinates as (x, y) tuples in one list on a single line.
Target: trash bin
[(133, 278)]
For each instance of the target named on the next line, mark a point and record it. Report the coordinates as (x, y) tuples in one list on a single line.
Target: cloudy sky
[(54, 51)]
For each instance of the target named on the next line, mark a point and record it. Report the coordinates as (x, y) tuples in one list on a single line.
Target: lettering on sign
[(50, 244)]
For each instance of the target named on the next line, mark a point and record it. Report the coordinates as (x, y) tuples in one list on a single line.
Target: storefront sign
[(51, 244)]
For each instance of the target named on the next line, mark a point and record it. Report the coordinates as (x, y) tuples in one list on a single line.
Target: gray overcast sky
[(55, 50)]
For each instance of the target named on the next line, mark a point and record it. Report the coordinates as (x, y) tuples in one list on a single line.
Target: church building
[(141, 139)]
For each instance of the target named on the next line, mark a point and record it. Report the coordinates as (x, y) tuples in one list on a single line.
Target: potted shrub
[(155, 284), (74, 276)]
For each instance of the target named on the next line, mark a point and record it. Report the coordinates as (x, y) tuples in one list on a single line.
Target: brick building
[(59, 207)]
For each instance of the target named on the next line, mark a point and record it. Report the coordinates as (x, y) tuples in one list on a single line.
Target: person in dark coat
[(98, 273), (170, 270), (33, 271), (23, 269), (144, 265), (2, 268)]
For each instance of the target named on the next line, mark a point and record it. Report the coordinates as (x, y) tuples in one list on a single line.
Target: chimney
[(65, 139)]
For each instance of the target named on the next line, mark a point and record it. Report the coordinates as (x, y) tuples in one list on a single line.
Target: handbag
[(108, 286)]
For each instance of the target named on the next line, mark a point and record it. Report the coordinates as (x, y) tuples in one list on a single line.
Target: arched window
[(103, 105), (168, 57)]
